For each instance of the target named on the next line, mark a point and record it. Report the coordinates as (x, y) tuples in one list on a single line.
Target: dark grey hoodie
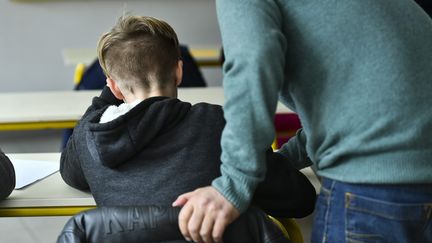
[(162, 148)]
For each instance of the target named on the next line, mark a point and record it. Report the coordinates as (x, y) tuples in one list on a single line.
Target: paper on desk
[(30, 171)]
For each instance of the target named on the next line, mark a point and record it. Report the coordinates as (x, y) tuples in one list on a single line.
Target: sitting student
[(137, 144), (7, 176)]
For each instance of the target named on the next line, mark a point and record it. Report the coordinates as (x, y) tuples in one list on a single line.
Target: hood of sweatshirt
[(118, 140)]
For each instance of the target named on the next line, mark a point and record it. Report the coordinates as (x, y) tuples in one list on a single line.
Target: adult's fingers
[(219, 227), (182, 199), (207, 228), (194, 225), (183, 220), (205, 215)]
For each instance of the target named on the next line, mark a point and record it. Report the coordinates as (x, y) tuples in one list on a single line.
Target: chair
[(286, 126), (159, 224), (290, 228)]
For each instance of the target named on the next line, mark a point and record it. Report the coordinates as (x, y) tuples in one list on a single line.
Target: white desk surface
[(54, 192), (51, 191), (56, 106)]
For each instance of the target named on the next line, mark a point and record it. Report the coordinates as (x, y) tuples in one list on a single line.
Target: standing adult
[(359, 75), (7, 176)]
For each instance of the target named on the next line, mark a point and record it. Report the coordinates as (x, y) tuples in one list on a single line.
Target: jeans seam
[(329, 200), (347, 202), (428, 214), (428, 208), (350, 196)]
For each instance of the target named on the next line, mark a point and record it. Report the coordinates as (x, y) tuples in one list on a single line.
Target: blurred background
[(39, 41)]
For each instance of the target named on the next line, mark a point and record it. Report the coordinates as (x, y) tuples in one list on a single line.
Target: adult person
[(7, 176), (359, 75)]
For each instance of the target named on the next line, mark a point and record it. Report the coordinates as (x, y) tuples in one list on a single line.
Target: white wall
[(32, 35)]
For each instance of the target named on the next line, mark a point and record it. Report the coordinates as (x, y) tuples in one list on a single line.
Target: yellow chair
[(79, 72), (289, 228)]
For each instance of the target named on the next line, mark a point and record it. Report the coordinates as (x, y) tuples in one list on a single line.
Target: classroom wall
[(33, 35)]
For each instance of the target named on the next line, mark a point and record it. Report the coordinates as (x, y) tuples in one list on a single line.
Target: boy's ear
[(179, 72), (114, 88)]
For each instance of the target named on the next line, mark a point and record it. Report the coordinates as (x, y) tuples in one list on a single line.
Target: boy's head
[(140, 53)]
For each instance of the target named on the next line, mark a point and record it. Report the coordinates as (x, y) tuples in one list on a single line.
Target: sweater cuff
[(237, 193)]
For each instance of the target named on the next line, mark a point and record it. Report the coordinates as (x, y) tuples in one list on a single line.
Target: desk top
[(49, 192), (61, 106)]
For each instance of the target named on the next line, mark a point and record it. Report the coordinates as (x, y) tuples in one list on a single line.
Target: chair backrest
[(159, 224), (286, 126)]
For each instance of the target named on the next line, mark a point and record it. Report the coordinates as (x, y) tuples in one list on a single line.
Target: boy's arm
[(295, 151), (285, 192), (70, 165)]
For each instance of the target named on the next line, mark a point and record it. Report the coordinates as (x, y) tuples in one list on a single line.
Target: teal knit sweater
[(358, 73)]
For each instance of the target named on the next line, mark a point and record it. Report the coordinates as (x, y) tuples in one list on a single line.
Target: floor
[(46, 229), (31, 230)]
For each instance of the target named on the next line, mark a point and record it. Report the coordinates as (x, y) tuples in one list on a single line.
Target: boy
[(153, 147), (7, 176)]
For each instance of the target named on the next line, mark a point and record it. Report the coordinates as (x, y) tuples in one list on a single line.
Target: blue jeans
[(373, 213)]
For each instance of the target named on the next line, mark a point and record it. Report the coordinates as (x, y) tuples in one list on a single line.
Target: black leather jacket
[(159, 224)]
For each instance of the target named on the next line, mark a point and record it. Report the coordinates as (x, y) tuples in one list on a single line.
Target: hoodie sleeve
[(7, 176), (70, 164), (295, 151), (285, 191)]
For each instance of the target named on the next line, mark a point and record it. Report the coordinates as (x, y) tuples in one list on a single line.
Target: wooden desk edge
[(21, 126), (42, 211)]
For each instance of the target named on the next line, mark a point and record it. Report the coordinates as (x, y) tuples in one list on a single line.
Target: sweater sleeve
[(7, 176), (253, 70)]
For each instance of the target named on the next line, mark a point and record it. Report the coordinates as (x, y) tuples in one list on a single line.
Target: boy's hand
[(205, 215)]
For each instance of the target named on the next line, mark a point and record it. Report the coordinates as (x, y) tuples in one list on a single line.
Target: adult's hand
[(205, 215)]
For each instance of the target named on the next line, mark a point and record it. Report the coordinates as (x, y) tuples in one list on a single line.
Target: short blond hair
[(139, 51)]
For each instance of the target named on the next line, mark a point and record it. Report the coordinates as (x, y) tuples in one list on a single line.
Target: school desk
[(53, 197), (50, 196), (62, 109)]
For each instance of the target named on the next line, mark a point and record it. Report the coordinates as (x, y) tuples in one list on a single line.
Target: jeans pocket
[(371, 220)]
